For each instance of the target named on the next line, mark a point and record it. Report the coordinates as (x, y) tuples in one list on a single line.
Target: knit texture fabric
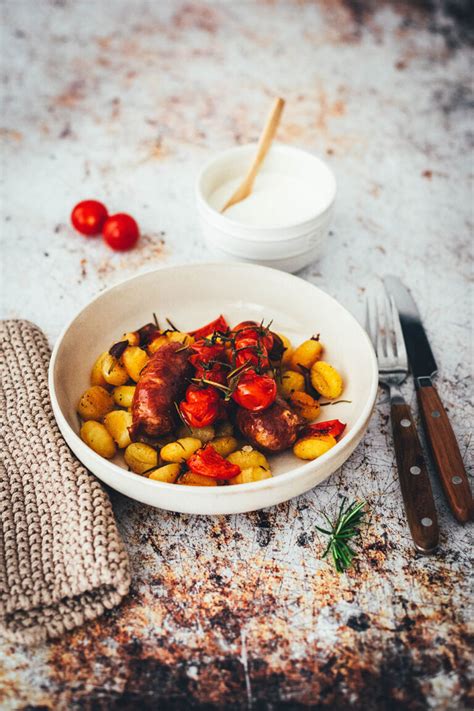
[(62, 561)]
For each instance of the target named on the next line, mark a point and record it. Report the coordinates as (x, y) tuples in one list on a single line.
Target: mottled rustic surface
[(124, 100)]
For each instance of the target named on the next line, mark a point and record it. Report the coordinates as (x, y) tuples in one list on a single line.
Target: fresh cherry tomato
[(201, 407), (120, 232), (208, 462), (88, 217), (220, 324), (329, 427), (255, 392)]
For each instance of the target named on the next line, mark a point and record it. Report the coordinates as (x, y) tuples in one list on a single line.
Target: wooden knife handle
[(446, 454), (414, 479)]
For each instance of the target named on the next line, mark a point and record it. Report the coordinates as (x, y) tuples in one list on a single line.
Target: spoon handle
[(264, 143)]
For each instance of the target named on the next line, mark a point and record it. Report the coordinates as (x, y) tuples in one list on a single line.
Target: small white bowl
[(191, 296), (289, 247)]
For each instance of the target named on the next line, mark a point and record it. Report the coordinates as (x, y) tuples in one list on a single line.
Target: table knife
[(439, 433)]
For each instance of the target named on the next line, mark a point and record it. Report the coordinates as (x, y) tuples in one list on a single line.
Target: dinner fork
[(384, 328)]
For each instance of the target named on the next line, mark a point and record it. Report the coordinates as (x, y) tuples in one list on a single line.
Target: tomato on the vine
[(88, 217), (202, 406), (249, 332), (255, 392), (255, 356), (120, 232)]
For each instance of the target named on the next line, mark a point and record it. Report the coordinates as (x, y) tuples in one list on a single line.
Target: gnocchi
[(169, 473), (225, 445), (140, 457), (306, 354), (248, 457), (180, 450), (313, 447), (250, 474), (192, 479), (95, 435), (291, 381), (117, 424), (123, 395), (134, 360), (95, 403), (305, 405), (113, 371), (326, 380)]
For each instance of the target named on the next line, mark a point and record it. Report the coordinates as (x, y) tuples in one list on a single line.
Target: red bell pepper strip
[(220, 324), (207, 462), (335, 428)]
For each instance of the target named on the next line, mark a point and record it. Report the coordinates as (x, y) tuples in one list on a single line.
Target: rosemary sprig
[(346, 527)]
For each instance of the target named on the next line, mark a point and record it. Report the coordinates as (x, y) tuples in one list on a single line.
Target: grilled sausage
[(271, 430), (161, 384)]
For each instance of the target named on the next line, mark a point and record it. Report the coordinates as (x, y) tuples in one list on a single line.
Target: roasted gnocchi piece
[(169, 473), (180, 450), (291, 381), (326, 380), (95, 403), (306, 354), (95, 435), (250, 474), (140, 457), (169, 337), (117, 424), (313, 447), (248, 457), (192, 479), (225, 445), (134, 360), (113, 371), (203, 434), (123, 395), (305, 405)]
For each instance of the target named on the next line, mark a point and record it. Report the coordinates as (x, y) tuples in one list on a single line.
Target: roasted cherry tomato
[(120, 232), (208, 462), (213, 372), (220, 324), (88, 217), (252, 331), (255, 392), (204, 352), (202, 406), (255, 356), (335, 428)]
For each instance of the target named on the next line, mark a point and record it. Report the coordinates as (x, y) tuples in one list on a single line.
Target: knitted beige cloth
[(62, 561)]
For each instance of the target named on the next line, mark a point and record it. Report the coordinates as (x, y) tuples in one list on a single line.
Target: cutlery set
[(400, 341)]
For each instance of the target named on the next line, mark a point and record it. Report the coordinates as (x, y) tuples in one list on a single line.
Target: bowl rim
[(247, 232), (221, 491)]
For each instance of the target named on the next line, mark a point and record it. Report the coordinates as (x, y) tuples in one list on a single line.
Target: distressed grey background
[(124, 100)]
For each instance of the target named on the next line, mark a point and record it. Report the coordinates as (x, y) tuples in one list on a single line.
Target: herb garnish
[(345, 528)]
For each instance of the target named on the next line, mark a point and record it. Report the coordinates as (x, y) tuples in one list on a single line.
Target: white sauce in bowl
[(277, 199)]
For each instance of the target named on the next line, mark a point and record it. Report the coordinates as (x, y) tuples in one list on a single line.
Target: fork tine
[(388, 327), (371, 318), (401, 350)]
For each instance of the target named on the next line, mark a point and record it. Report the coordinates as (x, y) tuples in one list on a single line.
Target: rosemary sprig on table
[(345, 528)]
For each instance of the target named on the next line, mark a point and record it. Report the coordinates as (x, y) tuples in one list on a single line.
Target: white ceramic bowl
[(191, 296), (289, 247)]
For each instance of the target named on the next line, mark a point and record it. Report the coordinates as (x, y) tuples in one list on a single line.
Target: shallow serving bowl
[(191, 296)]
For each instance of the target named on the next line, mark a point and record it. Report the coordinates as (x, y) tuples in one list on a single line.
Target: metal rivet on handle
[(415, 470), (405, 423), (456, 480), (435, 413), (426, 522)]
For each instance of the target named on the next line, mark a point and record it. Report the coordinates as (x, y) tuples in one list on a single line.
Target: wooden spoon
[(264, 143)]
